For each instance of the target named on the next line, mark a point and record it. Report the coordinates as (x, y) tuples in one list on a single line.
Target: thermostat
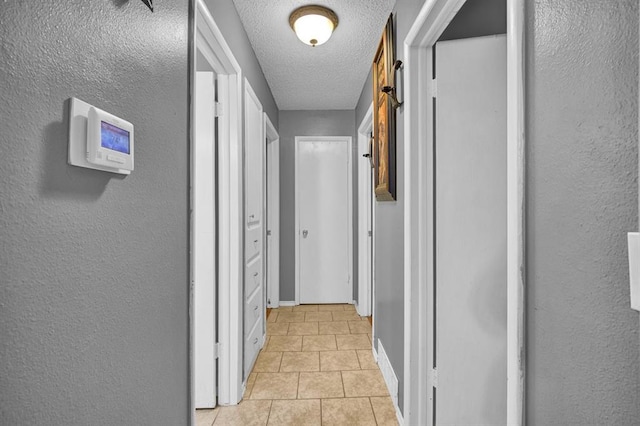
[(109, 140), (99, 140)]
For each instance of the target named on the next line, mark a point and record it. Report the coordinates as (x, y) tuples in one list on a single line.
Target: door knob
[(305, 233)]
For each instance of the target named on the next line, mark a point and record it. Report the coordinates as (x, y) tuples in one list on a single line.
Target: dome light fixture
[(313, 24)]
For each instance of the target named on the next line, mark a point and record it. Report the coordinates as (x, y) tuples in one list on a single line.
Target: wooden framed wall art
[(384, 117)]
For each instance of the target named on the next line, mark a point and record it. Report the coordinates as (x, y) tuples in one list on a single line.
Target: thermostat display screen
[(114, 138)]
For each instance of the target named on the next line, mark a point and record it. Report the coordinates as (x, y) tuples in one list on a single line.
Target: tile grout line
[(270, 408), (373, 411), (280, 365)]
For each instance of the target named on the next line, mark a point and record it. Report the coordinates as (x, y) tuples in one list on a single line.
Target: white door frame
[(419, 219), (365, 195), (348, 141), (209, 41), (272, 208)]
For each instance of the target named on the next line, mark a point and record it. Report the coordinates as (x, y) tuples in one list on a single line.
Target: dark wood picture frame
[(384, 118)]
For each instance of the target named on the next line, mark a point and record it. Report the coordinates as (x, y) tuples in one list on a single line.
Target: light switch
[(633, 239)]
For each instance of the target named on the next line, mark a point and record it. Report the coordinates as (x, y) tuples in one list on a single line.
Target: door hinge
[(219, 109), (434, 88), (268, 232), (434, 377), (216, 350), (370, 233)]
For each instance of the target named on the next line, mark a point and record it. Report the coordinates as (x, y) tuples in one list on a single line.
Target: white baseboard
[(244, 389), (390, 378), (399, 416), (358, 310), (287, 303)]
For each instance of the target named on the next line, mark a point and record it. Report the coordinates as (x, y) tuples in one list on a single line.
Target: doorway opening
[(421, 211), (215, 222)]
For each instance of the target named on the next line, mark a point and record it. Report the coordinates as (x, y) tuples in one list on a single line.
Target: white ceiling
[(330, 76)]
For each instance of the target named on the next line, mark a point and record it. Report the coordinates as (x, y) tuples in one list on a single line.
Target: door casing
[(348, 141)]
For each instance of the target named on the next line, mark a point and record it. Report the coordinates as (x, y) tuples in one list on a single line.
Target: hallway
[(101, 273), (316, 368)]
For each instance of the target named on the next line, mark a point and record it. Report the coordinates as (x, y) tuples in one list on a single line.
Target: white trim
[(373, 270), (273, 152), (349, 141), (433, 18), (390, 378), (297, 226), (210, 42), (515, 212), (288, 303), (365, 194), (192, 355), (388, 374)]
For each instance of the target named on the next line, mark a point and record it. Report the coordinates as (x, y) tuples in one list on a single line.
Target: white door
[(203, 240), (365, 224), (273, 215), (471, 232), (323, 200), (254, 306)]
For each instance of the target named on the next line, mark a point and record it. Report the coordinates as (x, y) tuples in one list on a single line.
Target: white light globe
[(313, 29)]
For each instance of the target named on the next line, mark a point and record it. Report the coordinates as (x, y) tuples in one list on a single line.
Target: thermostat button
[(115, 159)]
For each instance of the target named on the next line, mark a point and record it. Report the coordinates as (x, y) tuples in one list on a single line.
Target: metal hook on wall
[(391, 89), (368, 154)]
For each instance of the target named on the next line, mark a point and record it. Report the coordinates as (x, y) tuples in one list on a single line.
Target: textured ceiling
[(330, 76)]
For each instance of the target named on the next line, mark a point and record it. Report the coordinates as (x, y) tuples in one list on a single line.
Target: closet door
[(254, 160), (203, 247), (471, 232)]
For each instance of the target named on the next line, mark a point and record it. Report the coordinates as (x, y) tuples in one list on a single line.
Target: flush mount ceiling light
[(313, 24)]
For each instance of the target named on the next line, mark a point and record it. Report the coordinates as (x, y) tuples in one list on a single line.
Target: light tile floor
[(316, 368)]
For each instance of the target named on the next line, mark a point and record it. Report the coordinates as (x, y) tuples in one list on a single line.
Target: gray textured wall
[(93, 266), (305, 123), (389, 225), (582, 139), (226, 16)]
